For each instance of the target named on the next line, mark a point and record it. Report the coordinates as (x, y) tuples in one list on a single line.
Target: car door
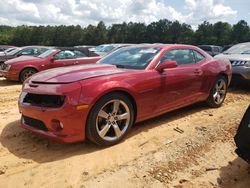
[(63, 58), (181, 85)]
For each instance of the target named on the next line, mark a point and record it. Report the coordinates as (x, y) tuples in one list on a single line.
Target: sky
[(85, 12)]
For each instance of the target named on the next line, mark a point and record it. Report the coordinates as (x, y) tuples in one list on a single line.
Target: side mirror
[(166, 65)]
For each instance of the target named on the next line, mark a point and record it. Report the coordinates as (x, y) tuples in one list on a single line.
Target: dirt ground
[(153, 154)]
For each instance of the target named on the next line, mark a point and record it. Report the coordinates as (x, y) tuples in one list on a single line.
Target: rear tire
[(110, 119), (218, 92), (26, 73)]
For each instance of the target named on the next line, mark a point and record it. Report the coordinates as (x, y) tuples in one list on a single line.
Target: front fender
[(92, 91)]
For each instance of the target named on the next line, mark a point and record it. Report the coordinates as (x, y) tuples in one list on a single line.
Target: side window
[(79, 54), (198, 56), (65, 54), (28, 51), (181, 56)]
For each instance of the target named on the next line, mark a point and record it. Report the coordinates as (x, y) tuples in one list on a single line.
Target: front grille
[(238, 63), (50, 101), (37, 124)]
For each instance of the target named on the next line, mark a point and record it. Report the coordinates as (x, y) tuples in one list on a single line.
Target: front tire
[(26, 73), (110, 119), (218, 92)]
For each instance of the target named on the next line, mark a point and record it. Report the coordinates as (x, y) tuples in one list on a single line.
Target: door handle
[(198, 72), (76, 63)]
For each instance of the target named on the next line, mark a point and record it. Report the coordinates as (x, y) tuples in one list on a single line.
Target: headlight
[(247, 64), (8, 67)]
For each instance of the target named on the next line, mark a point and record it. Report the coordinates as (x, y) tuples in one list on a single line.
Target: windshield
[(9, 50), (98, 48), (131, 58), (47, 53), (243, 48), (13, 52), (106, 49)]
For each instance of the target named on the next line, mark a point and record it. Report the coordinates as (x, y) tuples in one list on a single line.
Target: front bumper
[(242, 71), (71, 118), (10, 75), (43, 118)]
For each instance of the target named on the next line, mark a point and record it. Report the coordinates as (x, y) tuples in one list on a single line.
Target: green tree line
[(162, 31)]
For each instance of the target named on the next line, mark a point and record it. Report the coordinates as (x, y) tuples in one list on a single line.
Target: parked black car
[(211, 49), (242, 137)]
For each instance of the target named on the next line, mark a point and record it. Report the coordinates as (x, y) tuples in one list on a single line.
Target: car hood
[(234, 57), (6, 57), (75, 73), (22, 59)]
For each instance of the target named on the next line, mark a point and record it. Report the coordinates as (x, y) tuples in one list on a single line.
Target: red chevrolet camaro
[(100, 102), (20, 68)]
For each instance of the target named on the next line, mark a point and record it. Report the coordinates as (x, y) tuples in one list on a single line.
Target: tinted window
[(65, 54), (47, 53), (30, 51), (181, 56), (198, 56), (131, 58), (79, 54), (243, 48)]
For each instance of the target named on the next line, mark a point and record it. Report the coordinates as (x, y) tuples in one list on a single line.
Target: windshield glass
[(106, 49), (13, 52), (46, 53), (243, 48), (98, 48), (131, 58), (9, 50)]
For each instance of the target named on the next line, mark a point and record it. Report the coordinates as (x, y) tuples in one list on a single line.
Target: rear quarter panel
[(211, 69)]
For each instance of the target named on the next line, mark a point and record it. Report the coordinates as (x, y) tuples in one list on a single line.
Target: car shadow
[(235, 175), (4, 82), (24, 144), (238, 84)]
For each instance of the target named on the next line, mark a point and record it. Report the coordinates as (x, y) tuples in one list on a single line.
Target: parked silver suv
[(239, 56)]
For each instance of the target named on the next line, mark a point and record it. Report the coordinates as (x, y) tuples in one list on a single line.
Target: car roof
[(159, 45), (207, 45), (23, 47)]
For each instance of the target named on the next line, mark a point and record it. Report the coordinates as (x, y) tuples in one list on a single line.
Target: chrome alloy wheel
[(113, 120), (220, 91)]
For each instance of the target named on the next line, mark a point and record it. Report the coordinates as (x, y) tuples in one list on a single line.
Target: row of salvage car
[(102, 100)]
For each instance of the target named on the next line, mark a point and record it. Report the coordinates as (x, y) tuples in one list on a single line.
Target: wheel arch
[(121, 91), (28, 67), (226, 76)]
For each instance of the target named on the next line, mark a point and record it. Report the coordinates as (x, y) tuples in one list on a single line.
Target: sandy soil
[(153, 155)]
